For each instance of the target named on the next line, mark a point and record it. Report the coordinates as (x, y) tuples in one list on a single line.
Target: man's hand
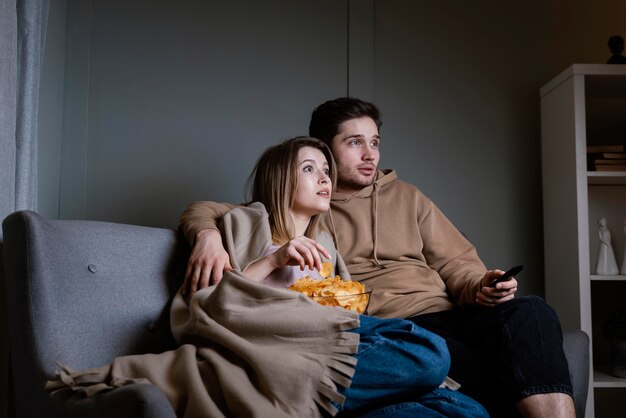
[(207, 263), (502, 292)]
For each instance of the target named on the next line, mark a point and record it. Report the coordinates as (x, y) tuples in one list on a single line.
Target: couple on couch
[(396, 242)]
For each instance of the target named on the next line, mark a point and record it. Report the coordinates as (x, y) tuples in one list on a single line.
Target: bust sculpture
[(616, 45)]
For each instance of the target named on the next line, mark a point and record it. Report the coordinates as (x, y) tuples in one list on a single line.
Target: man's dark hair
[(327, 117)]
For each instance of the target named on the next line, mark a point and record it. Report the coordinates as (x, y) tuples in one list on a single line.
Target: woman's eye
[(327, 172), (308, 168)]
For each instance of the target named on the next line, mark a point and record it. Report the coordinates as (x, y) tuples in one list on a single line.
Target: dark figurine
[(616, 45)]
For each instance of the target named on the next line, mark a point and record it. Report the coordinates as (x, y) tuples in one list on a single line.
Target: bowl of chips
[(352, 301), (333, 291)]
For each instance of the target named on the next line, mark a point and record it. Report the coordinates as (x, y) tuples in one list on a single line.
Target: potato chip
[(333, 291), (327, 268)]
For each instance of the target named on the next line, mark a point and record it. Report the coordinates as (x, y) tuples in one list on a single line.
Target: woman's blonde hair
[(274, 181)]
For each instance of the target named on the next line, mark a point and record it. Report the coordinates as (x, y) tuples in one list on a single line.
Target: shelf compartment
[(616, 278), (603, 178), (602, 379)]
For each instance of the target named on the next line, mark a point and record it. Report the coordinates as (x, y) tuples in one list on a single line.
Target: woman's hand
[(300, 251), (207, 263), (502, 292)]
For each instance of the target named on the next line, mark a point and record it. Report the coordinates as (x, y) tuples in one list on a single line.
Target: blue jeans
[(438, 403), (521, 343), (399, 369)]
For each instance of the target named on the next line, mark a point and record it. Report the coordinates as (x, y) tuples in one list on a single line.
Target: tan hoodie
[(395, 241), (398, 243)]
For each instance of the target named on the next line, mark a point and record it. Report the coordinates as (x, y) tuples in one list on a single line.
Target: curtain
[(22, 36), (8, 105), (32, 18)]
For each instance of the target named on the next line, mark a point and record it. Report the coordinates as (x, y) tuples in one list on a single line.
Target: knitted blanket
[(246, 350)]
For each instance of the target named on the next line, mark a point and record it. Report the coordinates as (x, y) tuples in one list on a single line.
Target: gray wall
[(150, 105), (51, 94)]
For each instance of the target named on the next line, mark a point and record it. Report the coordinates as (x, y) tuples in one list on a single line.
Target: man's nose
[(368, 154)]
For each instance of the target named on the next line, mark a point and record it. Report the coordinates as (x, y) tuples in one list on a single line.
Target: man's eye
[(375, 144), (354, 142)]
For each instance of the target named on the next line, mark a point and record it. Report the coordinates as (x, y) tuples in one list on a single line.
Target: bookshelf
[(584, 105)]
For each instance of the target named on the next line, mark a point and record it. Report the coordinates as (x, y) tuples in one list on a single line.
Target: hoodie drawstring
[(375, 225), (334, 231), (382, 178)]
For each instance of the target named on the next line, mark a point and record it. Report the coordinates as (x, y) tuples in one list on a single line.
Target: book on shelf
[(594, 149), (608, 167), (602, 161), (606, 156)]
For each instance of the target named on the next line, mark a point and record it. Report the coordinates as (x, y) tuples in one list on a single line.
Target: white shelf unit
[(584, 105)]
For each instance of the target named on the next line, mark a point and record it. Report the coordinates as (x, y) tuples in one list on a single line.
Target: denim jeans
[(438, 403), (399, 368), (503, 353)]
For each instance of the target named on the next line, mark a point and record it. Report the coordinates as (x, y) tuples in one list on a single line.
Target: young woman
[(278, 238)]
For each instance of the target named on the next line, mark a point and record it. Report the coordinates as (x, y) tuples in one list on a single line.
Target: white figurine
[(623, 269), (606, 266)]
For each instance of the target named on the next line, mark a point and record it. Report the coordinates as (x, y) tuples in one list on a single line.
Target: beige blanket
[(246, 350)]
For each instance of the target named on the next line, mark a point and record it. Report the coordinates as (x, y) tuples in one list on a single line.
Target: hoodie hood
[(383, 177)]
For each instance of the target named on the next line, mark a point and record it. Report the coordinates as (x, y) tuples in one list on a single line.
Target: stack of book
[(606, 158)]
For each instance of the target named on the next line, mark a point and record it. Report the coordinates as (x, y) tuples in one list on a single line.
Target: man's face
[(356, 151)]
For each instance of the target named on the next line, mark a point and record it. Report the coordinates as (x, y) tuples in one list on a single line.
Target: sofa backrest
[(81, 293)]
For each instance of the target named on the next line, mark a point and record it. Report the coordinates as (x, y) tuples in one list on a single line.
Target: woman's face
[(312, 196)]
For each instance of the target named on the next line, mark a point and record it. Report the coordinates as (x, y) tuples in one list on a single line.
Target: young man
[(506, 351)]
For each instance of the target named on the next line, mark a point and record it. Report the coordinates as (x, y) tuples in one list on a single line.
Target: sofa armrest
[(576, 347)]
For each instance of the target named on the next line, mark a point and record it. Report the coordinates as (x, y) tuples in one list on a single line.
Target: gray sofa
[(84, 292)]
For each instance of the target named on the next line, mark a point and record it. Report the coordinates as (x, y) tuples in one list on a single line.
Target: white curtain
[(22, 37), (8, 105), (32, 18)]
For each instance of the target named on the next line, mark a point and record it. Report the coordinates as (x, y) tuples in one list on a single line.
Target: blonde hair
[(274, 181)]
